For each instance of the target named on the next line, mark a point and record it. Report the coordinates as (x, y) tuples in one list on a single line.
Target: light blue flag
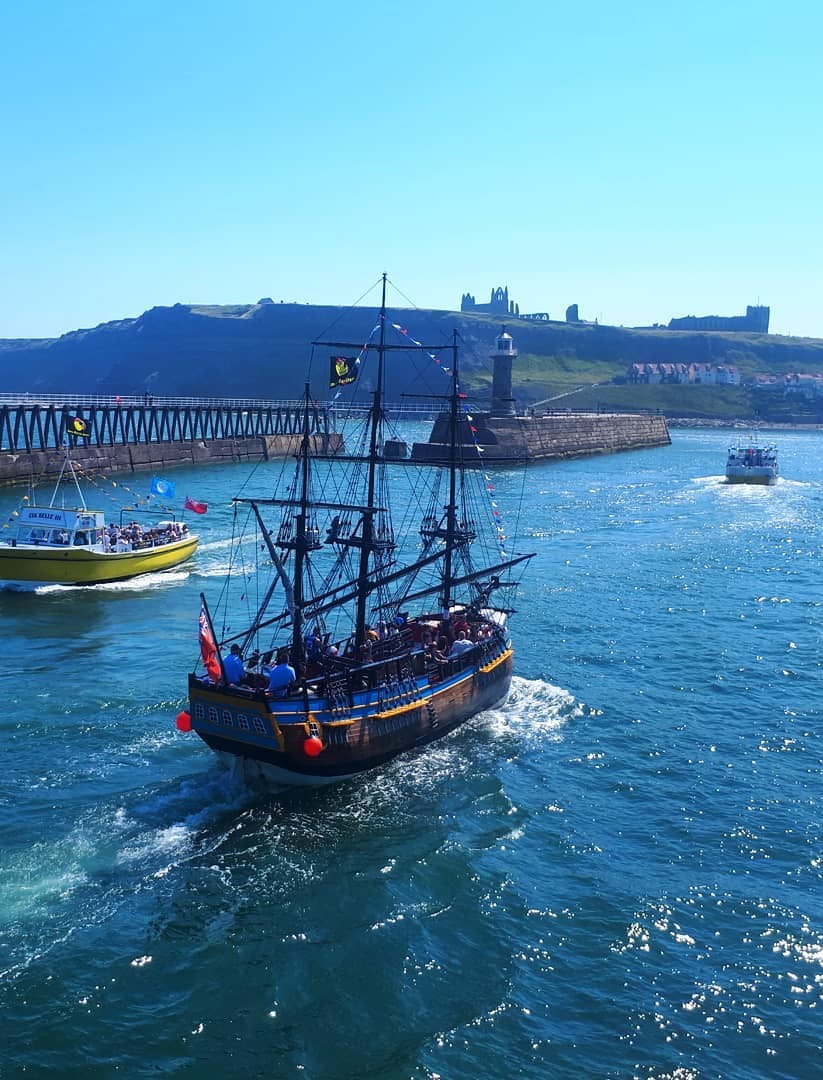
[(159, 486)]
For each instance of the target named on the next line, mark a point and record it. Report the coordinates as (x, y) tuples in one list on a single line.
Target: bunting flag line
[(76, 425), (93, 478), (159, 486), (197, 507), (402, 330)]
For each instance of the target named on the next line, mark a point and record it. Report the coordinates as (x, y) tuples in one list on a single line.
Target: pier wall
[(156, 457), (557, 436)]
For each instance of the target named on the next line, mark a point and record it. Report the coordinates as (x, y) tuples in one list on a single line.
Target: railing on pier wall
[(29, 423), (25, 427)]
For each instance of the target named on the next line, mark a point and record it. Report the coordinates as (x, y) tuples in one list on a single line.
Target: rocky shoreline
[(737, 424)]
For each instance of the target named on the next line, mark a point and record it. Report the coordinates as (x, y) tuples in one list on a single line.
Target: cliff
[(262, 350)]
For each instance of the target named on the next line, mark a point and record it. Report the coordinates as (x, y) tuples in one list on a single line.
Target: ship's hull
[(28, 567), (754, 474), (266, 739)]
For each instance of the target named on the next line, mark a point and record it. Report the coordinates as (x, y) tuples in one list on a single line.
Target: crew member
[(233, 666), (282, 676)]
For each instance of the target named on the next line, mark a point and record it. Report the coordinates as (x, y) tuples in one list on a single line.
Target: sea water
[(615, 874)]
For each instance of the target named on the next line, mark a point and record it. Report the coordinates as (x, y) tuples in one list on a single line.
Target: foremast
[(304, 538)]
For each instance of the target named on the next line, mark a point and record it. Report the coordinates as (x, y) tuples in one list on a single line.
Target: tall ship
[(751, 464), (60, 544), (382, 594)]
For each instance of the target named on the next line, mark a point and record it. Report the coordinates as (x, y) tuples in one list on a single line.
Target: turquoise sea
[(617, 874)]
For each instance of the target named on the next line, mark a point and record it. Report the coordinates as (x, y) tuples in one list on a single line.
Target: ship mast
[(302, 540), (68, 464), (368, 519), (451, 509)]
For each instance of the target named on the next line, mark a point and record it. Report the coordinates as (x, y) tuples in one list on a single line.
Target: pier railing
[(45, 425), (41, 422)]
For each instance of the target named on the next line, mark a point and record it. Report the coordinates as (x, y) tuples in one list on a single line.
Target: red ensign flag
[(208, 649)]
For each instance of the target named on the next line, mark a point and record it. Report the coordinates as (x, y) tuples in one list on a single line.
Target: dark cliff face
[(263, 351)]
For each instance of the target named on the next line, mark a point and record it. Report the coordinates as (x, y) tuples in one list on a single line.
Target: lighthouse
[(501, 437), (502, 355)]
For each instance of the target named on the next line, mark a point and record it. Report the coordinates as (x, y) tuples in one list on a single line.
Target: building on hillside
[(804, 385), (768, 382), (684, 374), (808, 386), (727, 375), (702, 374), (756, 320), (499, 303)]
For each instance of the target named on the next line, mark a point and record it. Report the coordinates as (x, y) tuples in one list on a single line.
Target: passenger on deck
[(430, 648), (233, 666), (314, 646), (281, 677), (460, 645)]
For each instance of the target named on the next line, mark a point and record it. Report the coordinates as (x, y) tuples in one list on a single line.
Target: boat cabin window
[(34, 536), (81, 538), (60, 536)]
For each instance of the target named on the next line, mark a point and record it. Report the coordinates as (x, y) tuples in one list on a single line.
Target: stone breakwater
[(155, 457), (557, 436)]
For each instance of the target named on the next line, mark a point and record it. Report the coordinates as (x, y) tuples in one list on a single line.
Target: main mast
[(451, 508), (368, 518)]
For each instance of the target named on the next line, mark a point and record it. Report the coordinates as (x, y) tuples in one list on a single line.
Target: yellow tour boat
[(52, 545)]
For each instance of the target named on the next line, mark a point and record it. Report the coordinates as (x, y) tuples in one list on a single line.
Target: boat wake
[(140, 583), (107, 857), (533, 710), (721, 484), (710, 481), (84, 882)]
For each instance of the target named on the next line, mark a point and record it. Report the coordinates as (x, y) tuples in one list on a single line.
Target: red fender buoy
[(313, 746), (183, 721)]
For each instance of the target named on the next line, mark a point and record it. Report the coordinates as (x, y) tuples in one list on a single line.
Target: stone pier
[(510, 439), (159, 456)]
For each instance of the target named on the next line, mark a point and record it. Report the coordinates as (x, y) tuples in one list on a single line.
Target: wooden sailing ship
[(369, 638)]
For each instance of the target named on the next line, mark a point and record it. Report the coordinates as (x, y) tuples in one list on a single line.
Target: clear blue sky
[(641, 160)]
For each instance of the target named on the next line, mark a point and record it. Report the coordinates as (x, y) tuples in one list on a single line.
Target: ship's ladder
[(431, 709)]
